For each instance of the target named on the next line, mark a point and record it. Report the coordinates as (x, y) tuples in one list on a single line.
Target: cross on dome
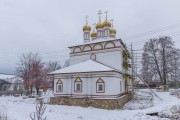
[(112, 22), (86, 20), (100, 29), (94, 34), (112, 30), (86, 27), (99, 13), (106, 12)]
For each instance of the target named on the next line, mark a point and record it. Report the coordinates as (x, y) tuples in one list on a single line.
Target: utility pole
[(175, 72), (132, 67)]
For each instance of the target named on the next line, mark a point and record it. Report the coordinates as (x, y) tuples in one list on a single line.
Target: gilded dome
[(106, 24), (93, 34), (99, 25), (86, 28), (112, 31)]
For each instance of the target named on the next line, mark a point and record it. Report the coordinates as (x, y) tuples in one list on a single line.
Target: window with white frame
[(100, 86), (59, 86), (78, 85)]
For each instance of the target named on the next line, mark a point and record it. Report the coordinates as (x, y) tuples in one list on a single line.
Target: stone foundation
[(96, 103)]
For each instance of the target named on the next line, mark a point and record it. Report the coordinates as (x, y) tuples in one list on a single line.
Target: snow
[(171, 113), (86, 66), (142, 99), (20, 109), (6, 76)]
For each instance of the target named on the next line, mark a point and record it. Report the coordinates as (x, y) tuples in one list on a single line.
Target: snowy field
[(20, 109)]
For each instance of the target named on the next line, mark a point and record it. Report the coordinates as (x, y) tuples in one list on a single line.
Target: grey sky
[(50, 26)]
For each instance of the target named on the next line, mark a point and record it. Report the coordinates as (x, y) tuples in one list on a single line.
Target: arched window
[(78, 85), (77, 49), (98, 47), (59, 86), (84, 35), (87, 48), (109, 45), (93, 56), (100, 86), (106, 32)]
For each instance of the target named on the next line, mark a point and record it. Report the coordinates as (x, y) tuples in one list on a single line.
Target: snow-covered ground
[(20, 109)]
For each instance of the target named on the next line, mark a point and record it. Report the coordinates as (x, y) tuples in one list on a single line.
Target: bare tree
[(150, 61), (23, 67), (157, 58), (31, 69), (67, 63), (40, 109), (53, 65), (38, 75), (3, 112), (175, 72)]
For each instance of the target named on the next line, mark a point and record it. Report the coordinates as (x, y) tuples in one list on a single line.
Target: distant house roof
[(84, 67), (10, 78), (6, 76)]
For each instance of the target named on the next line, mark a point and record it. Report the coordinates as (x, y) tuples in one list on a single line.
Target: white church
[(99, 74)]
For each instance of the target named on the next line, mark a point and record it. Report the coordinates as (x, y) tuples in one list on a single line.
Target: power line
[(154, 31)]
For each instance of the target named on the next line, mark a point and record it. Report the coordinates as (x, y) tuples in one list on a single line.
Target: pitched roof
[(6, 76), (10, 78), (84, 67)]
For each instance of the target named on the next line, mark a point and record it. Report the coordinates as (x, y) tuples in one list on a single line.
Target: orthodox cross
[(86, 20), (112, 22), (99, 13), (106, 14)]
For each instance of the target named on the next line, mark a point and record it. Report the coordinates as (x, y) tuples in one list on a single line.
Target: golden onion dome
[(86, 28), (106, 24), (93, 34), (99, 25), (112, 31)]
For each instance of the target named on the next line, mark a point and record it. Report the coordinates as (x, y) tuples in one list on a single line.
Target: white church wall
[(109, 58), (107, 52), (84, 87), (112, 59), (89, 87), (112, 86), (78, 59), (65, 88)]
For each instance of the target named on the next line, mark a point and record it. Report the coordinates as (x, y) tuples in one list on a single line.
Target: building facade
[(99, 74), (10, 84)]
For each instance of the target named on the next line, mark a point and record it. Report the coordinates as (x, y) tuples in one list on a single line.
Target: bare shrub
[(40, 109), (3, 113)]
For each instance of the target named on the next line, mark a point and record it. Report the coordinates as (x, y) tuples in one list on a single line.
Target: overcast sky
[(50, 26)]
